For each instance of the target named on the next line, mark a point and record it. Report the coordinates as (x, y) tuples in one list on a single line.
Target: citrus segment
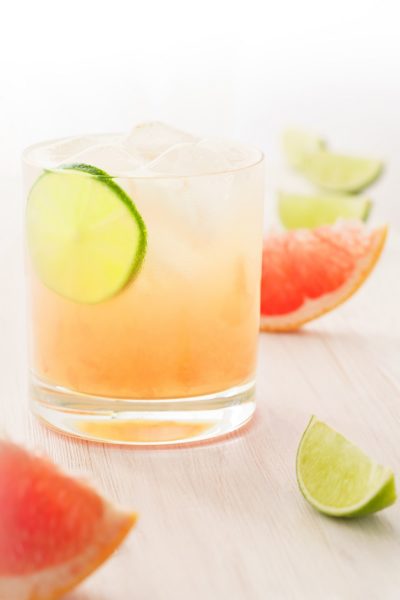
[(298, 145), (54, 530), (339, 173), (85, 236), (298, 211), (307, 273), (337, 478)]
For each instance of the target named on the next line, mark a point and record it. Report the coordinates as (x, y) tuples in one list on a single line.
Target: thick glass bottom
[(142, 421)]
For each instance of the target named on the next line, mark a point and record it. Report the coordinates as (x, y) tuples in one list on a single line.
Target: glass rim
[(27, 159)]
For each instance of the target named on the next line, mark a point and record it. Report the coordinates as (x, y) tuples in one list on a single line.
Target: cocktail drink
[(144, 259)]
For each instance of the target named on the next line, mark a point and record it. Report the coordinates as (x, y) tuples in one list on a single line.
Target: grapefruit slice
[(307, 273), (54, 530)]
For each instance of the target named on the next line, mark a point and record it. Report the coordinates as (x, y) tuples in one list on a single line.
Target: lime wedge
[(85, 236), (298, 144), (298, 211), (337, 478), (339, 173)]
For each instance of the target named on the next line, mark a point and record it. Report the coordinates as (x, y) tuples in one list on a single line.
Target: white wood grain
[(225, 520)]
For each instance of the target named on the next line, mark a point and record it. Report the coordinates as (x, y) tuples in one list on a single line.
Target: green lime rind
[(340, 173), (89, 169), (337, 478), (298, 145), (297, 211), (384, 498), (86, 238)]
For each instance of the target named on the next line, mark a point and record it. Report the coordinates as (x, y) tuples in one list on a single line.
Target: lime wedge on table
[(339, 173), (298, 144), (297, 211), (337, 478), (85, 236)]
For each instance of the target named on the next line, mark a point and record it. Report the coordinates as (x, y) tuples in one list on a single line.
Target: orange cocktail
[(155, 304)]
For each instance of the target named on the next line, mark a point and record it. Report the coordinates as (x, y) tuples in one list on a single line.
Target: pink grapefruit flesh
[(307, 273), (54, 530)]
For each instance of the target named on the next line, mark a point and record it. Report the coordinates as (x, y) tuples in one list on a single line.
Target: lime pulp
[(86, 238)]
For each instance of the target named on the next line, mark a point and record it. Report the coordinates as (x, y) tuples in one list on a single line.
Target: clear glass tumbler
[(144, 299)]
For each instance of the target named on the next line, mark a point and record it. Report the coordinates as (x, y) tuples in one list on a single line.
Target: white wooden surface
[(226, 520)]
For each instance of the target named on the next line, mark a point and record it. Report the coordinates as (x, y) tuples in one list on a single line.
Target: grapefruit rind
[(314, 308)]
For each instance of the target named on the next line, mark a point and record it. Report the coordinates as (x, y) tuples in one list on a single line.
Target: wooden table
[(226, 520)]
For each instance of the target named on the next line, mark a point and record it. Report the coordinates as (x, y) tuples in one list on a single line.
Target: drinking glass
[(144, 294)]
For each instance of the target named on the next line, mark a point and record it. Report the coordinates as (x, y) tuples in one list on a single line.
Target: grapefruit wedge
[(307, 273), (54, 530)]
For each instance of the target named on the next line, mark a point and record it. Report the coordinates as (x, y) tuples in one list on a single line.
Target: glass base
[(141, 421)]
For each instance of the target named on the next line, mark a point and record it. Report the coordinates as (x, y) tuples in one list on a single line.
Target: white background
[(243, 69)]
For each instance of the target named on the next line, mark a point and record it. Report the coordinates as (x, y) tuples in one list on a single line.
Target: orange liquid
[(163, 342), (186, 325)]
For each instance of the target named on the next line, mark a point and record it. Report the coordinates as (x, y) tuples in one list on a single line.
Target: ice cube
[(197, 202), (188, 159), (110, 157), (237, 155), (148, 140), (55, 153)]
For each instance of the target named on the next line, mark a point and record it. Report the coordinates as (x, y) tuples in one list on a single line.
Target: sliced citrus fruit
[(337, 478), (54, 530), (339, 173), (298, 211), (298, 145), (308, 272), (85, 236)]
